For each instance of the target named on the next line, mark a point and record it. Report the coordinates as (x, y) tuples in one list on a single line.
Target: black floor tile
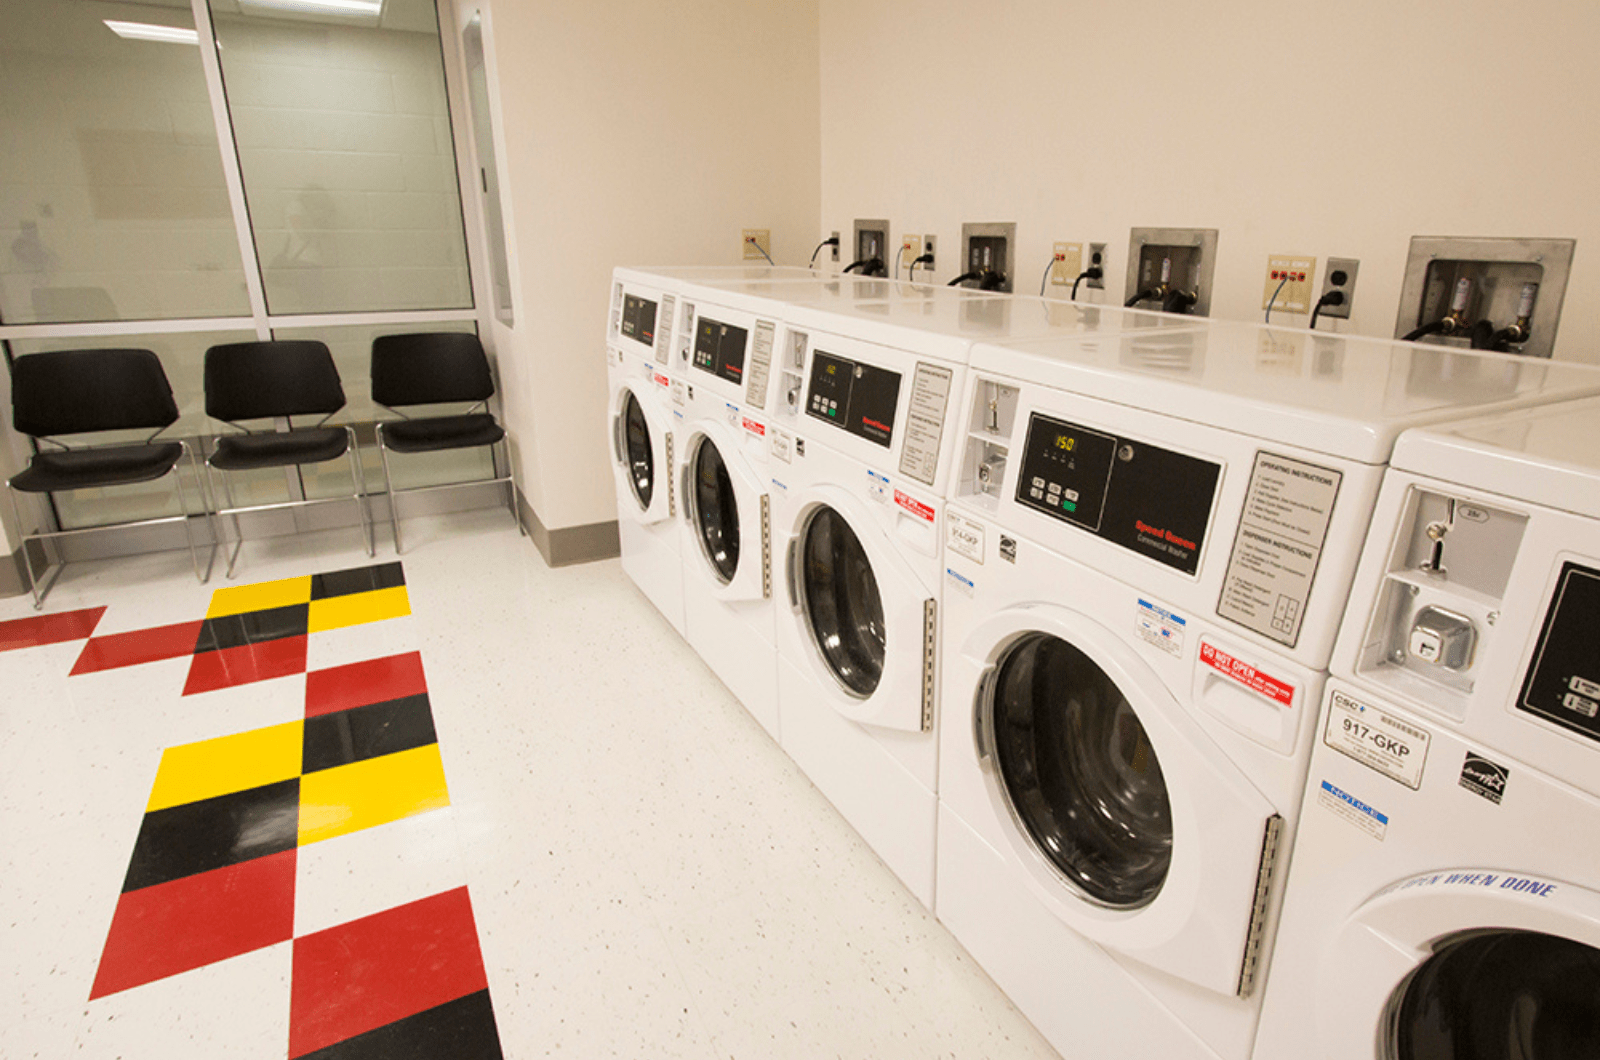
[(200, 836), (462, 1029), (254, 627), (366, 732), (357, 580)]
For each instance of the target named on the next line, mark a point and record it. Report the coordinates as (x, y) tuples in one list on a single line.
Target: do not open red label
[(1247, 675)]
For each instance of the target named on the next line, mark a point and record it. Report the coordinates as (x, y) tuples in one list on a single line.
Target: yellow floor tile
[(336, 612), (196, 771), (335, 802), (239, 599)]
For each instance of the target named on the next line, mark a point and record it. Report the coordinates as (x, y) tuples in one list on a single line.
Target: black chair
[(436, 368), (75, 392), (273, 381)]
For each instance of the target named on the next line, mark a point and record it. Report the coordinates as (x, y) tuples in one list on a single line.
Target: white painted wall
[(1317, 129), (641, 133)]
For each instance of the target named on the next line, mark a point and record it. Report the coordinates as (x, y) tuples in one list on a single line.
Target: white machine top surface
[(1343, 395), (723, 273), (1548, 456), (949, 320)]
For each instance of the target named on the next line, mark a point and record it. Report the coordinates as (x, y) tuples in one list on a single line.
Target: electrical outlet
[(928, 244), (1289, 279), (835, 247), (1067, 264), (757, 243), (1097, 256), (1341, 276), (908, 251)]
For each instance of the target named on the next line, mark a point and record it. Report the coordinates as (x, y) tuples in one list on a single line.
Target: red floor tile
[(246, 664), (35, 630), (139, 646), (197, 920), (371, 972), (363, 683)]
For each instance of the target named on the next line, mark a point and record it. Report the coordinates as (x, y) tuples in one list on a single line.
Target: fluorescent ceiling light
[(145, 31), (369, 8)]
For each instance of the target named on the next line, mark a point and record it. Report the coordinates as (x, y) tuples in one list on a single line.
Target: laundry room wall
[(1310, 129), (630, 132)]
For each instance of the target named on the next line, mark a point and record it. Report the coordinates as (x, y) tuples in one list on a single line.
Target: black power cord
[(1426, 329), (1179, 302), (832, 241), (911, 274), (1091, 273), (868, 267), (1147, 293), (1327, 301), (964, 277)]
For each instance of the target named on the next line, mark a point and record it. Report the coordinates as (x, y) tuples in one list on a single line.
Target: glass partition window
[(344, 140), (113, 204)]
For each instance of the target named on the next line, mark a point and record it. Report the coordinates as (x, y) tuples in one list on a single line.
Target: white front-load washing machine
[(1148, 551), (1444, 897), (864, 446), (642, 422)]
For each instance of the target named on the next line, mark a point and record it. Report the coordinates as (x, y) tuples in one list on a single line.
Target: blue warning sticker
[(1156, 625), (1346, 806)]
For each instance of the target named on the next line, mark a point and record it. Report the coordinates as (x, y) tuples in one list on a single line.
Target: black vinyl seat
[(436, 368), (62, 393), (278, 381)]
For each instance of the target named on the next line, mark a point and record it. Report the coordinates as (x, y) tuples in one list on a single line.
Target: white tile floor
[(651, 876)]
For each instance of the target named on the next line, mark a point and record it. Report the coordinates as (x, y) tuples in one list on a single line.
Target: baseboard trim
[(570, 545)]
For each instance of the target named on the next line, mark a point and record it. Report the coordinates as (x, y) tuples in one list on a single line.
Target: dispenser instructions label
[(1349, 808), (1376, 739), (1160, 627), (964, 535), (1275, 552), (930, 397), (760, 364), (1262, 684)]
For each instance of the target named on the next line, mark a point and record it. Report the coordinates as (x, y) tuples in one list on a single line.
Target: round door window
[(716, 512), (641, 458), (1499, 995), (1080, 773), (842, 607)]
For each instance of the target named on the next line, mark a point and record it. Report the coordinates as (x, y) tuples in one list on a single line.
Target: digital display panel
[(720, 349), (1149, 500), (639, 319), (861, 398)]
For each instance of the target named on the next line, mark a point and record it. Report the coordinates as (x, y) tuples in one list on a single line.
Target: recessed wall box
[(1171, 268), (1490, 293), (990, 248)]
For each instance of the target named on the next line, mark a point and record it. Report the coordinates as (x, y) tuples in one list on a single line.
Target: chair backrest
[(258, 380), (429, 368), (77, 391)]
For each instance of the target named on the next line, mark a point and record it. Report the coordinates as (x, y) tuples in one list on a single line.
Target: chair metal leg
[(358, 479), (208, 502), (511, 487), (183, 506), (27, 561), (238, 533), (388, 486)]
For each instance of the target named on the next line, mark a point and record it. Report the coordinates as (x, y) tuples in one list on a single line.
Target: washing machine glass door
[(638, 451), (1499, 995), (716, 510), (843, 608), (1080, 772)]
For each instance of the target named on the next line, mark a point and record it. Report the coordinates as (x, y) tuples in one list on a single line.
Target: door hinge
[(1258, 909)]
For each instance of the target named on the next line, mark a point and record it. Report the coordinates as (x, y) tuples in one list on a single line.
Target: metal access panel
[(1497, 272), (990, 245), (871, 240), (1188, 255)]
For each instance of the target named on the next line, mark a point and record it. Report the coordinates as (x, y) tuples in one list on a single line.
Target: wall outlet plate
[(929, 242), (835, 247), (910, 247), (1099, 254), (1289, 279), (1066, 264), (1336, 266), (753, 238)]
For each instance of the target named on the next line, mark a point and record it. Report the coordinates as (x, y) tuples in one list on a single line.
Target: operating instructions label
[(760, 364), (930, 396), (1275, 552)]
